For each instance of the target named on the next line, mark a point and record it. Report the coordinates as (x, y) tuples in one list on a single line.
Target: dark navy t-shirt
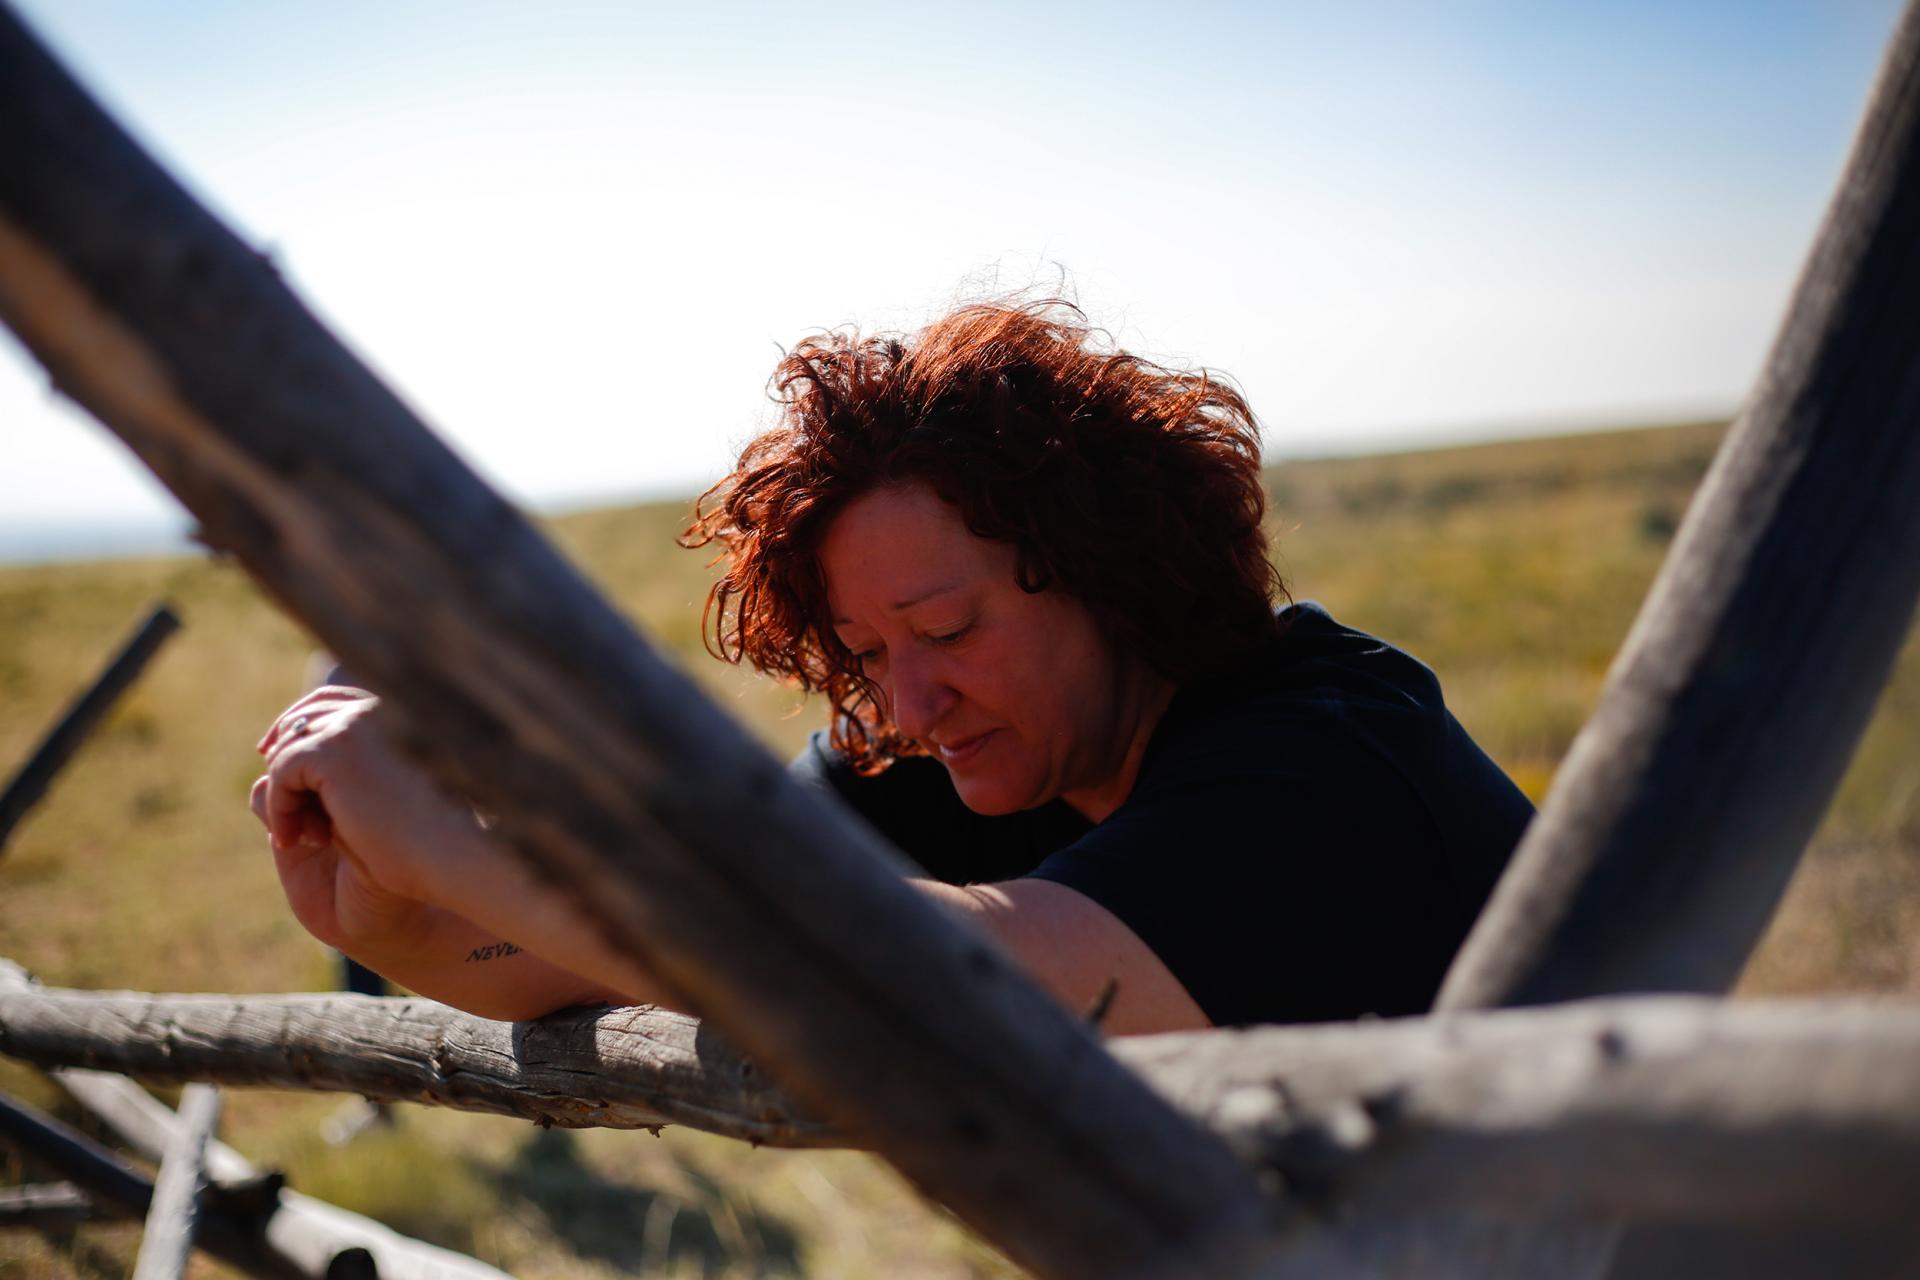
[(1310, 836)]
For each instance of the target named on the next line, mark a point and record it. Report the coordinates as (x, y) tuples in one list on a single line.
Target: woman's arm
[(379, 863), (1078, 951), (456, 962)]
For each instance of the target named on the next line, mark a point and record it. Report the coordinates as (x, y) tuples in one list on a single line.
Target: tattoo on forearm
[(492, 951)]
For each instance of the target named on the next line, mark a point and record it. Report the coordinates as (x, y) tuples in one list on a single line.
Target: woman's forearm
[(400, 875), (457, 962), (497, 901)]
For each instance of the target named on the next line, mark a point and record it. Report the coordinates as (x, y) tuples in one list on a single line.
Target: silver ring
[(298, 727)]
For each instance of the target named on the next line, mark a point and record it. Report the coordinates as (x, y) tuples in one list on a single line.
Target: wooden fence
[(1473, 1142)]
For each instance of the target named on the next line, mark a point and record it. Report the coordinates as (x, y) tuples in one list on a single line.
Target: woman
[(1030, 577)]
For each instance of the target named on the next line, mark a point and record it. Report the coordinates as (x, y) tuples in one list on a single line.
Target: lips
[(957, 752)]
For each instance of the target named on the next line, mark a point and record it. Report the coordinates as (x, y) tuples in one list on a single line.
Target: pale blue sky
[(573, 234)]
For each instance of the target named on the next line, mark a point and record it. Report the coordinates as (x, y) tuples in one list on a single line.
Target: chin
[(993, 797)]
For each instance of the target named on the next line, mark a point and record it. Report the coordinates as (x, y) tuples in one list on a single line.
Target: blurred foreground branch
[(652, 822)]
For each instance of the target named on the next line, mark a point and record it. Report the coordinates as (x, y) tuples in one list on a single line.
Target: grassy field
[(1513, 569)]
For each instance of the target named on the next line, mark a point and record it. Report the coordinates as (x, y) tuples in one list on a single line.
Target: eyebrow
[(910, 601)]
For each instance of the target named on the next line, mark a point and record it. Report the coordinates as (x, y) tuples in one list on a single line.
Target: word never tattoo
[(492, 951)]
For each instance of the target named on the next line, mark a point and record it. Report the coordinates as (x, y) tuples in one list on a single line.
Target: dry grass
[(1514, 570)]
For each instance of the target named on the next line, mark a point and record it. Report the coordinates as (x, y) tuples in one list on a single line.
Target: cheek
[(1061, 693)]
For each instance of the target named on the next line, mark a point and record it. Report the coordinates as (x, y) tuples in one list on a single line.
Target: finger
[(302, 724), (287, 800), (316, 826), (257, 799), (309, 704), (325, 698), (351, 692), (281, 726), (303, 729)]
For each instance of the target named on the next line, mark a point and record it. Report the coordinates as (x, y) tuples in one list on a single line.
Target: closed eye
[(949, 637)]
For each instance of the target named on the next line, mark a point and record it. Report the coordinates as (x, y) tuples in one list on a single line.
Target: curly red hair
[(1132, 487)]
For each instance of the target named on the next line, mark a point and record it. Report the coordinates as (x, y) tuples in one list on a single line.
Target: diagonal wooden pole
[(31, 781), (1736, 702), (1729, 716), (174, 1212), (656, 821)]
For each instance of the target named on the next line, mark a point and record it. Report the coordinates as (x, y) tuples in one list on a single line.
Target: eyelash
[(951, 637)]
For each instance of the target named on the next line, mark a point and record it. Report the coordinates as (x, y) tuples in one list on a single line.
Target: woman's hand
[(371, 855), (362, 839)]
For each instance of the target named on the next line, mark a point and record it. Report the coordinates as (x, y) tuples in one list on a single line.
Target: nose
[(919, 694)]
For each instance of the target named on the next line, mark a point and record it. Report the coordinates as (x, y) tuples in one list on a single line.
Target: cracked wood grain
[(1685, 1109)]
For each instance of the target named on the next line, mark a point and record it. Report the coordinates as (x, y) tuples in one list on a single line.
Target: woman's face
[(1019, 694)]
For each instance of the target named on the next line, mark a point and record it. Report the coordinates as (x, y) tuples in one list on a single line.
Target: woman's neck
[(1143, 701)]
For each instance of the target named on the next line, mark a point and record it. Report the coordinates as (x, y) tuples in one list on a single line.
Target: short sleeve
[(1283, 886)]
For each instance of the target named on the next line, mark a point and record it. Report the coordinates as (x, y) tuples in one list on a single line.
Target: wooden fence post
[(1730, 714)]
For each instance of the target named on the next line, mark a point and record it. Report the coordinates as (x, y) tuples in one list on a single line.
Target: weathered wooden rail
[(656, 825), (1664, 1107)]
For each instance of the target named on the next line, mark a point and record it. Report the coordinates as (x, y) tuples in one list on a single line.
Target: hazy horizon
[(55, 541)]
